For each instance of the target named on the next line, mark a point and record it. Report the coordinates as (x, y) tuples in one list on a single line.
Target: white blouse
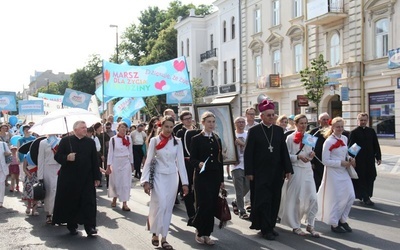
[(170, 159)]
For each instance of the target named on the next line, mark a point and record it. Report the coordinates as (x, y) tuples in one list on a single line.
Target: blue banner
[(128, 107), (8, 101), (179, 97), (100, 96), (51, 97), (31, 107), (122, 80), (394, 58), (76, 99)]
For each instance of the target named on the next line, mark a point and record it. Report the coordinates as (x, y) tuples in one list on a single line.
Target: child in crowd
[(30, 170), (14, 169)]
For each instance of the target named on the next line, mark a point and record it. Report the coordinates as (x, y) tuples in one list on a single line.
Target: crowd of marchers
[(278, 177)]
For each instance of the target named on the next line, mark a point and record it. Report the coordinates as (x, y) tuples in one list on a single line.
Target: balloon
[(14, 140), (13, 120), (127, 121)]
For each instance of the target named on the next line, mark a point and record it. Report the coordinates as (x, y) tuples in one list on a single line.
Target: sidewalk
[(390, 150)]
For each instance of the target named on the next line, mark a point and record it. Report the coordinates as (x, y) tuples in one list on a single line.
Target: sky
[(60, 35)]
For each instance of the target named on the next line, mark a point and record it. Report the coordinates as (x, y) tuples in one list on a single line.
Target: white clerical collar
[(268, 126), (207, 134)]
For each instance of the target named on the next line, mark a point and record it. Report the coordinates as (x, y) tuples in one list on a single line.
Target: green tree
[(199, 91), (83, 79), (314, 80)]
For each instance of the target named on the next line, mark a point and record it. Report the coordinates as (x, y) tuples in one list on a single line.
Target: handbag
[(222, 212), (152, 169), (352, 172), (9, 157), (39, 192)]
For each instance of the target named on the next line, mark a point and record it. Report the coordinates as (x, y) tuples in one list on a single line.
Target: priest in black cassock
[(266, 164), (370, 152), (78, 178), (317, 166)]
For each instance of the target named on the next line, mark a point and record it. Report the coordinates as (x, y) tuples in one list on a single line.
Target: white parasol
[(61, 121)]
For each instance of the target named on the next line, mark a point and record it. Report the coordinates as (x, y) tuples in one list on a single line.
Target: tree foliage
[(83, 79), (199, 91), (314, 79)]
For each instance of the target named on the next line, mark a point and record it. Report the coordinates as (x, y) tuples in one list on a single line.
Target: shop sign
[(394, 58), (302, 101), (212, 90), (227, 89), (344, 93), (274, 81)]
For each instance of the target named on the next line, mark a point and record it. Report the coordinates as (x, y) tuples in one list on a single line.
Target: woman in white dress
[(48, 172), (301, 195), (336, 193), (167, 150), (120, 166)]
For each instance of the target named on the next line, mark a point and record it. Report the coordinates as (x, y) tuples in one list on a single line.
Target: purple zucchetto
[(265, 105)]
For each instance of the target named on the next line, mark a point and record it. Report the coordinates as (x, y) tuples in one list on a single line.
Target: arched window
[(298, 57), (233, 28), (334, 51), (381, 37)]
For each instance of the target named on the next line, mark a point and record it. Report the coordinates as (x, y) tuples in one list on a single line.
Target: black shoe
[(346, 227), (275, 233), (269, 236), (338, 229), (368, 202), (91, 231), (73, 231)]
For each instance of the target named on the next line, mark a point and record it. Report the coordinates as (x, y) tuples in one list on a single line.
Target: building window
[(233, 28), (225, 72), (212, 78), (297, 11), (212, 41), (224, 31), (258, 66), (334, 50), (182, 49), (233, 70), (187, 47), (298, 57), (276, 63), (275, 13), (381, 37), (257, 21)]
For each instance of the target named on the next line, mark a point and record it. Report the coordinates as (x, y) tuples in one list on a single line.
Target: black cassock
[(365, 160), (75, 200), (268, 169), (318, 167)]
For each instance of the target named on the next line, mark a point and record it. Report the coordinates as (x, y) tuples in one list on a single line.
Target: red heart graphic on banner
[(107, 75), (179, 65), (160, 85)]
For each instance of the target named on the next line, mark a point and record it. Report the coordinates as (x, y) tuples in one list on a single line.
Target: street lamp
[(116, 37)]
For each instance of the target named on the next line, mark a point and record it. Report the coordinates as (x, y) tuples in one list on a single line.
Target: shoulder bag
[(9, 157)]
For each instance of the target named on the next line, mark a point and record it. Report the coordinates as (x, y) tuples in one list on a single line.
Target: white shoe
[(208, 241), (198, 239)]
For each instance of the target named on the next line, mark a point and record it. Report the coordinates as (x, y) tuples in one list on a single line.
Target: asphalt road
[(374, 228)]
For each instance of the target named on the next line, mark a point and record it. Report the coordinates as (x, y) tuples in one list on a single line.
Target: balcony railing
[(208, 54), (321, 12), (335, 6)]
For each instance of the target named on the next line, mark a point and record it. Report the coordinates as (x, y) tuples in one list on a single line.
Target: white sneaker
[(208, 241), (198, 239)]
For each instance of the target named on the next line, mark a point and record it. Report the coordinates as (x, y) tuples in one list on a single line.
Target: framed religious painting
[(223, 128)]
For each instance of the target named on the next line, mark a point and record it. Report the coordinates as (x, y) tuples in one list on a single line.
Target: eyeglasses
[(187, 119)]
